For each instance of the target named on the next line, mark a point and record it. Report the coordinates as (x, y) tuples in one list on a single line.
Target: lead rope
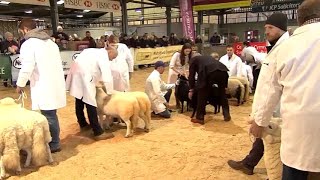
[(21, 98)]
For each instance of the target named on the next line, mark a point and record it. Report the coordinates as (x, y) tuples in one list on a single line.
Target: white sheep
[(31, 132), (272, 140), (246, 85), (118, 105), (236, 90)]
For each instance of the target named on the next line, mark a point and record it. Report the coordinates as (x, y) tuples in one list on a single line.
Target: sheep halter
[(21, 98)]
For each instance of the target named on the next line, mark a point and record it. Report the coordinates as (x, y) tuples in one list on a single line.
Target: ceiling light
[(60, 2), (28, 12), (79, 15), (4, 2), (138, 10), (86, 10)]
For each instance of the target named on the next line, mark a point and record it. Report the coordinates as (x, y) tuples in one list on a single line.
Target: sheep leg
[(50, 159), (3, 171), (28, 160), (101, 120), (129, 128)]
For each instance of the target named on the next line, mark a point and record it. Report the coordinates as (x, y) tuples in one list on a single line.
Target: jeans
[(290, 173), (54, 128), (92, 115)]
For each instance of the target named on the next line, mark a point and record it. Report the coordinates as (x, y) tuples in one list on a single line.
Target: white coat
[(42, 64), (91, 66), (234, 65), (124, 63), (156, 89), (247, 73), (175, 62), (292, 73)]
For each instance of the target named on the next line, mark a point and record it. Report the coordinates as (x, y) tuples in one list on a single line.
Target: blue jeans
[(290, 173), (54, 128)]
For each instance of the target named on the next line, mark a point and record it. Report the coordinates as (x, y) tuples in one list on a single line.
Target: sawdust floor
[(173, 149)]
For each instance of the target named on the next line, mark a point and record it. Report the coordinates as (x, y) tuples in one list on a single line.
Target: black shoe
[(227, 119), (85, 128), (238, 165), (55, 150)]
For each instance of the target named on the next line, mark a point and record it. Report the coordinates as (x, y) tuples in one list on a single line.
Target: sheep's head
[(272, 133), (7, 101)]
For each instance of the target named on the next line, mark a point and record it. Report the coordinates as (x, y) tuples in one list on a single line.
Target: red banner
[(187, 18), (260, 46)]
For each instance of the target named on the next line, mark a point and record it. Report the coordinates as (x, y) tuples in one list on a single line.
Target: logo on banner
[(115, 6), (88, 3), (74, 57), (16, 63)]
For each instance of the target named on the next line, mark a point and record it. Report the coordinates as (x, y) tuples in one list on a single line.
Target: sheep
[(236, 90), (182, 90), (271, 137), (246, 85), (118, 105), (31, 133), (144, 104)]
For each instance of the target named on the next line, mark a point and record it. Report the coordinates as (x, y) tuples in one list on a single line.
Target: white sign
[(94, 5), (67, 58), (33, 2), (16, 66)]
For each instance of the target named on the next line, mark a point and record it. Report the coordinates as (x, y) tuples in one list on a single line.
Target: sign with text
[(94, 5), (152, 55), (187, 19), (201, 5), (32, 2), (260, 46), (5, 67), (274, 5)]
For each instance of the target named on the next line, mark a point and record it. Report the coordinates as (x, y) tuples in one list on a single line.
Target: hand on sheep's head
[(256, 130), (19, 90)]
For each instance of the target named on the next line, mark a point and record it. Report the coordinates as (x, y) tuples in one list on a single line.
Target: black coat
[(203, 65)]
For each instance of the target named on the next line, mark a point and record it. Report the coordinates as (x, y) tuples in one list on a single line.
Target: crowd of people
[(292, 77)]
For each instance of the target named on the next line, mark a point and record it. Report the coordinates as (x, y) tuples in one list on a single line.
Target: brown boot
[(103, 136), (238, 165)]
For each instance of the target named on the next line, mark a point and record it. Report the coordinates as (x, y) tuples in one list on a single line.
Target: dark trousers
[(290, 173), (92, 115), (202, 96), (255, 73), (255, 154), (220, 78)]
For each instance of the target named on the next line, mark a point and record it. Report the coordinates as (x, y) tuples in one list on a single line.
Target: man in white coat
[(90, 67), (233, 62), (275, 30), (42, 64), (159, 92), (124, 63), (292, 74)]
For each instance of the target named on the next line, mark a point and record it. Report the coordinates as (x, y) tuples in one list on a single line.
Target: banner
[(187, 18), (5, 67), (260, 46), (152, 55), (67, 58), (16, 66), (274, 5), (32, 2), (94, 5), (201, 5)]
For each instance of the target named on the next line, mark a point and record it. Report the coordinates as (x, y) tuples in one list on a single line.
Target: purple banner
[(187, 18)]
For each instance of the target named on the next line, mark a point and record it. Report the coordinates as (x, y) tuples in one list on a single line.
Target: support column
[(142, 12), (200, 22), (221, 19), (54, 15), (168, 14), (124, 16), (111, 19)]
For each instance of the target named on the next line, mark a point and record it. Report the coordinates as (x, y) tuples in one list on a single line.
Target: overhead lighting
[(28, 12), (4, 2), (138, 10), (118, 19), (86, 10), (79, 15), (60, 2)]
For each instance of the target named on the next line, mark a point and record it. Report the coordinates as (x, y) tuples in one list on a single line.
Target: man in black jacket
[(211, 73)]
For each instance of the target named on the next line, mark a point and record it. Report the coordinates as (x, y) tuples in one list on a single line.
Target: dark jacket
[(61, 36), (203, 65), (6, 44), (92, 42)]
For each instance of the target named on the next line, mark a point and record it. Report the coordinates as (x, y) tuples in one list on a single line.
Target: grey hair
[(7, 34), (308, 10)]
